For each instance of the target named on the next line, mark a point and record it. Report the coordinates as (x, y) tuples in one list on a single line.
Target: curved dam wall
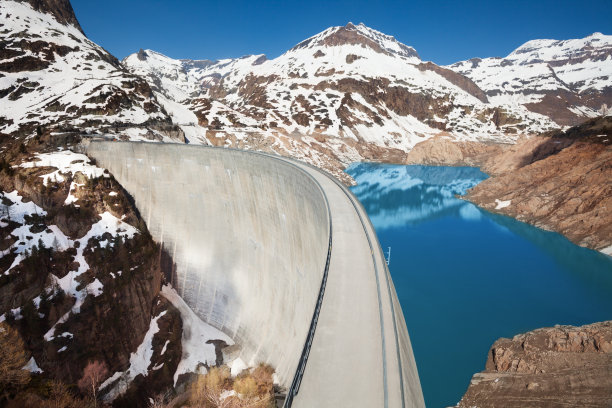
[(249, 236)]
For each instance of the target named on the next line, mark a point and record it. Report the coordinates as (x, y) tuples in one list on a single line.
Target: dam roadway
[(357, 351)]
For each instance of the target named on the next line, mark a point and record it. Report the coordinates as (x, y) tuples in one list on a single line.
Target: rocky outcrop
[(441, 150), (359, 35), (165, 357), (549, 367), (456, 78), (559, 181)]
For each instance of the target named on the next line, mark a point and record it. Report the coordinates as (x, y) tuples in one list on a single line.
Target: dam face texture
[(252, 237)]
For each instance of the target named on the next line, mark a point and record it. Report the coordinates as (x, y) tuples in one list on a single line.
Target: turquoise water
[(466, 277)]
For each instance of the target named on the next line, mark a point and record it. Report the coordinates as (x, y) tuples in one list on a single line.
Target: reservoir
[(466, 277)]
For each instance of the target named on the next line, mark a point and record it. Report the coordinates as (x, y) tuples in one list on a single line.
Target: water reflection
[(395, 196), (465, 276)]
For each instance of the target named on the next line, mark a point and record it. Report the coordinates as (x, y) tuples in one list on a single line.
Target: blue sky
[(441, 31)]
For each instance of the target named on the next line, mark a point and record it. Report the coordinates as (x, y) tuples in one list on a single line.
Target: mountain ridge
[(61, 9), (566, 80), (386, 99), (349, 93)]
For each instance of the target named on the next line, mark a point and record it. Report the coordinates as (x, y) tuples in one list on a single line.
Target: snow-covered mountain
[(349, 93), (53, 77), (567, 81), (346, 94)]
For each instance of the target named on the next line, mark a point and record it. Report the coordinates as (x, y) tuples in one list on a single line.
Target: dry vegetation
[(218, 389), (12, 360)]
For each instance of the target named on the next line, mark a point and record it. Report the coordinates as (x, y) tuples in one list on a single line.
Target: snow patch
[(95, 288), (140, 361), (237, 367), (226, 394), (164, 348), (65, 161), (196, 350), (32, 367), (502, 204)]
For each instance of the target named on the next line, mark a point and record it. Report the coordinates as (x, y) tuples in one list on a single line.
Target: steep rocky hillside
[(53, 77), (80, 275), (346, 94), (559, 181), (567, 81), (550, 367)]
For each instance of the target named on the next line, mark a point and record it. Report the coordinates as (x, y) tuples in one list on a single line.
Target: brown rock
[(443, 151), (456, 78), (550, 367), (559, 182)]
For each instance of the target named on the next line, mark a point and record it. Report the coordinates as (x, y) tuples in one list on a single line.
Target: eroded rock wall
[(549, 367)]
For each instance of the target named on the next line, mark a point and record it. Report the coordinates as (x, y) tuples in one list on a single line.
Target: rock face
[(80, 275), (559, 181), (443, 151), (550, 367), (53, 77)]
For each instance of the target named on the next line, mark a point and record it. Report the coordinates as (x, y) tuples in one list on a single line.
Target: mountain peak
[(360, 34)]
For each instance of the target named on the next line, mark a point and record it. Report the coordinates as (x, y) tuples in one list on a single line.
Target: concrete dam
[(282, 258)]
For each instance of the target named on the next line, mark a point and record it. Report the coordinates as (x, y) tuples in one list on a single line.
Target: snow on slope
[(576, 73), (198, 352), (345, 94), (140, 360), (53, 76)]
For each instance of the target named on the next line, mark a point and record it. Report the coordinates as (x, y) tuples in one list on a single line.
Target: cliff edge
[(549, 367)]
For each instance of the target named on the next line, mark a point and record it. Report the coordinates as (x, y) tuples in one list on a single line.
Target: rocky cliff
[(558, 181), (80, 274), (60, 9), (549, 367)]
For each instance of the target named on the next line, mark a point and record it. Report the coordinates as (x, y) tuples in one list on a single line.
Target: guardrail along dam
[(283, 259)]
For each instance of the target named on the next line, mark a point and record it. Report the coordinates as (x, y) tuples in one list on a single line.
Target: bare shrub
[(217, 389), (94, 374), (246, 386), (61, 397), (161, 400), (263, 376), (207, 389)]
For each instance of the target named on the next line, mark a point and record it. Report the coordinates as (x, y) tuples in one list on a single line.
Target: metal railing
[(357, 205)]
